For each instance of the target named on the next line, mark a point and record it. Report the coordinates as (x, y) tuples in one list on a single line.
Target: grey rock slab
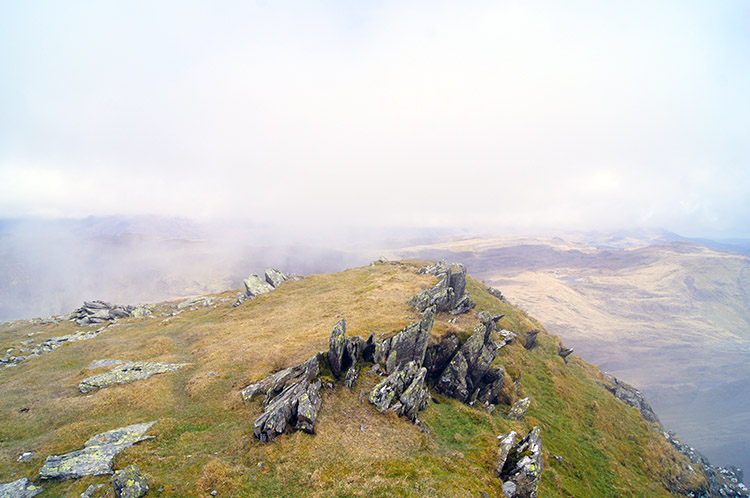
[(129, 483), (523, 467), (25, 456), (256, 285), (631, 396), (274, 277), (126, 373), (21, 488), (403, 391), (91, 490), (336, 347), (505, 444), (519, 408), (408, 345), (97, 454)]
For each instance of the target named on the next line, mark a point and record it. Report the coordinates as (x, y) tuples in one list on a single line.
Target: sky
[(503, 115)]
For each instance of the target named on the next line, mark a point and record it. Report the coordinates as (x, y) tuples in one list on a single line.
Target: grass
[(204, 436)]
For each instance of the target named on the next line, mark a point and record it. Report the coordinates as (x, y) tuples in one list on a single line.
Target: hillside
[(204, 444), (672, 319)]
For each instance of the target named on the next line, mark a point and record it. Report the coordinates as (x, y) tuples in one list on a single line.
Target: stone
[(530, 339), (196, 301), (25, 456), (256, 285), (490, 390), (129, 483), (21, 488), (91, 490), (506, 443), (351, 377), (469, 365), (496, 293), (519, 408), (438, 355), (93, 312), (309, 407), (448, 295), (523, 467), (410, 344), (97, 454), (631, 396), (241, 297), (274, 277), (126, 373), (336, 347), (403, 391), (564, 352)]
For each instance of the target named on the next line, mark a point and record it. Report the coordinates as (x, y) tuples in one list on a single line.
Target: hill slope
[(204, 438)]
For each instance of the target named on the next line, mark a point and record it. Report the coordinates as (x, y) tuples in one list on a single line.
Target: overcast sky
[(488, 115)]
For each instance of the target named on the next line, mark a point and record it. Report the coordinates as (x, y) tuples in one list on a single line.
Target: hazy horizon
[(493, 117)]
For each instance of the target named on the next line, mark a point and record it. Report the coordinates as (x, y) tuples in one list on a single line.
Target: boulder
[(530, 339), (523, 466), (631, 396), (126, 373), (256, 285), (97, 454), (519, 408), (506, 443), (274, 277), (21, 488), (93, 312), (25, 456), (351, 376), (91, 490), (292, 400), (403, 391), (490, 389), (129, 483), (337, 347), (564, 352), (448, 295), (438, 355), (408, 345), (471, 363)]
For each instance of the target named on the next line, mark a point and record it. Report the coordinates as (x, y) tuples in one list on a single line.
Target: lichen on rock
[(97, 454), (129, 483), (127, 372), (21, 488)]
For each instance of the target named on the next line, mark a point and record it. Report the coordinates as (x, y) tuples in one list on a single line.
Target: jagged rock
[(274, 277), (472, 361), (93, 312), (292, 400), (129, 483), (309, 407), (723, 482), (91, 490), (126, 373), (25, 456), (531, 339), (337, 347), (196, 301), (496, 293), (448, 294), (351, 376), (256, 285), (519, 408), (21, 488), (368, 348), (438, 355), (141, 311), (241, 297), (490, 388), (97, 454), (403, 391), (631, 396), (523, 467), (506, 443), (564, 352), (408, 345)]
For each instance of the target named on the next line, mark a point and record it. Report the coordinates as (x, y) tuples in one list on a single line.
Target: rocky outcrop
[(530, 339), (630, 396), (438, 355), (449, 293), (21, 488), (519, 409), (520, 465), (723, 482), (127, 372), (256, 285), (403, 391), (564, 352), (129, 483), (292, 400), (96, 312), (408, 345), (465, 373), (97, 454), (48, 346), (337, 348)]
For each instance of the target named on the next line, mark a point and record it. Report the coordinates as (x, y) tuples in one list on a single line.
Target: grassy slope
[(204, 435)]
